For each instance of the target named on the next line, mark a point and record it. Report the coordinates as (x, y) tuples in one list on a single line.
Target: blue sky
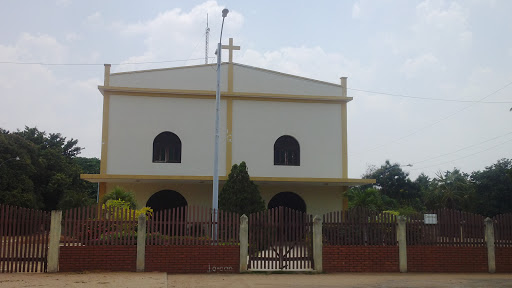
[(451, 50)]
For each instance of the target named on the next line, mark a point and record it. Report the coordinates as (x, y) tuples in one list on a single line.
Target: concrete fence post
[(141, 243), (402, 244), (244, 242), (489, 238), (317, 243), (53, 245)]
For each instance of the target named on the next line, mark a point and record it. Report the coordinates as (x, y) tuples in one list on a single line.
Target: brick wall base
[(503, 259), (360, 259), (446, 259), (193, 259), (106, 258)]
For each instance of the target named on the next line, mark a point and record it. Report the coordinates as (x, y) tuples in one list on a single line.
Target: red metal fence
[(99, 225), (24, 239), (191, 225), (503, 230), (450, 228), (280, 238), (359, 226)]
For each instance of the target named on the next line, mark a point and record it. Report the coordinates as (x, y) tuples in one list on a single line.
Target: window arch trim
[(287, 151), (167, 148)]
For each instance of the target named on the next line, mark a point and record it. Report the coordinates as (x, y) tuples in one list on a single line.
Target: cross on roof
[(230, 47)]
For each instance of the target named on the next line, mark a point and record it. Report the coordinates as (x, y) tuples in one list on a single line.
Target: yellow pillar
[(344, 145)]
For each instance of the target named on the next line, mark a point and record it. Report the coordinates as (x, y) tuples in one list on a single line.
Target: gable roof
[(247, 79)]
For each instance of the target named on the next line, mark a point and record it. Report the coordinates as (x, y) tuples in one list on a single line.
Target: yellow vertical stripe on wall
[(229, 143), (344, 148), (103, 191), (229, 121), (106, 79), (230, 77), (104, 134)]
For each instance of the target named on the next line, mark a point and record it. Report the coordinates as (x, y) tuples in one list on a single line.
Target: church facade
[(158, 136)]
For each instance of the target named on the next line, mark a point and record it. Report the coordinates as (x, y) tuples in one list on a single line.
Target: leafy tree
[(16, 185), (394, 183), (422, 182), (119, 193), (89, 166), (452, 190), (369, 198), (494, 188), (45, 177), (239, 194)]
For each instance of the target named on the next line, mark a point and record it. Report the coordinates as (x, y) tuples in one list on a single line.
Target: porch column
[(489, 239), (244, 243), (317, 243), (402, 244), (53, 245), (141, 243)]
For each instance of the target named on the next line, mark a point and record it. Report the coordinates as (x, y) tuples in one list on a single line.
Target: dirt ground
[(353, 280)]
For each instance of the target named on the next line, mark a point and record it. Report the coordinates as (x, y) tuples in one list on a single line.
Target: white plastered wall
[(251, 79), (203, 77), (319, 199), (135, 121), (316, 126), (195, 194)]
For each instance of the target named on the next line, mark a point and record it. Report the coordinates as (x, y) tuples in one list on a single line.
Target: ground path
[(352, 280)]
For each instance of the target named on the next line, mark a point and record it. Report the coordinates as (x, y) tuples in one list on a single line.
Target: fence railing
[(192, 225), (359, 226), (23, 239), (446, 228), (503, 230), (99, 225)]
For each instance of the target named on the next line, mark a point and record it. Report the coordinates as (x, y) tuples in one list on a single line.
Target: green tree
[(89, 166), (239, 194), (119, 193), (494, 188), (364, 198), (46, 176), (452, 190), (394, 183)]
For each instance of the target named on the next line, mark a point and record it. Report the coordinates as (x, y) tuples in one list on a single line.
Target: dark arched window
[(167, 148), (286, 151), (166, 199), (287, 199)]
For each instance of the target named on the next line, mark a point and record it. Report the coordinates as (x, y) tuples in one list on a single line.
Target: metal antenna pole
[(207, 41)]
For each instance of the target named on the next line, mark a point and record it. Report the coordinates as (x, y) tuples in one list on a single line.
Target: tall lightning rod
[(207, 33)]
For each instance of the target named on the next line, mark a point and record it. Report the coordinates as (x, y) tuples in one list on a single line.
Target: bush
[(120, 194), (240, 194)]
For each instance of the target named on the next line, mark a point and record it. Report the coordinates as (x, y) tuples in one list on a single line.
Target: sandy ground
[(353, 280)]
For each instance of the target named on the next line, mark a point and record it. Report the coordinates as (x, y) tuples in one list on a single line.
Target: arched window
[(166, 199), (287, 199), (167, 148), (286, 151)]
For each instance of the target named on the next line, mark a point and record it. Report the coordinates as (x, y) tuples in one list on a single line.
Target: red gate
[(24, 239), (280, 239)]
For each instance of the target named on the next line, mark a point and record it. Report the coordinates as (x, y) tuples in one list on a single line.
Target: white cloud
[(63, 3), (70, 37), (423, 63), (356, 10), (39, 48), (34, 95), (308, 62), (448, 17), (95, 19), (171, 34)]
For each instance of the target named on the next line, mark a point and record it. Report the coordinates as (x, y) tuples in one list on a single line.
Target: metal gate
[(23, 239), (280, 239)]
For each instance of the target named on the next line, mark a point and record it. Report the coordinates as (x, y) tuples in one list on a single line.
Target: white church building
[(158, 135)]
